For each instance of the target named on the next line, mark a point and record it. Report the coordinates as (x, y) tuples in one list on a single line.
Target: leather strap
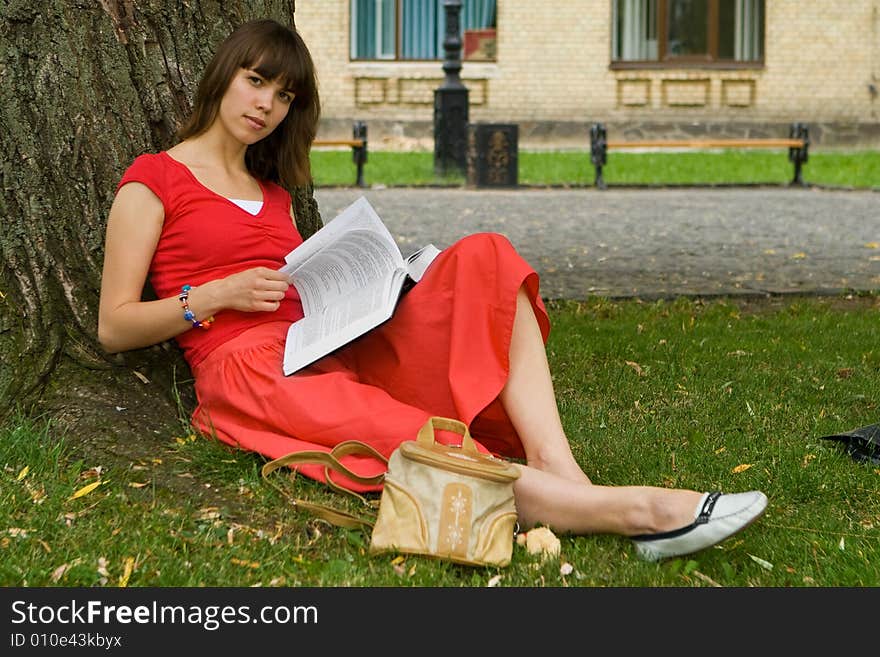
[(426, 433), (330, 461)]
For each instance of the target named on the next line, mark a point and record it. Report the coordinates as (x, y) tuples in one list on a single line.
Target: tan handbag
[(449, 502), (441, 501)]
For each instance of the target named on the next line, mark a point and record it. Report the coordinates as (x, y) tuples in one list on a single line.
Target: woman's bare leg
[(530, 401), (543, 498), (553, 490)]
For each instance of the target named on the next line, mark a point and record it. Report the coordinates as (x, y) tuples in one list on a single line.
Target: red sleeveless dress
[(444, 352)]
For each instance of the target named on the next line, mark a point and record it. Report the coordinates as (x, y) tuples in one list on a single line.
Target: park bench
[(358, 145), (797, 143)]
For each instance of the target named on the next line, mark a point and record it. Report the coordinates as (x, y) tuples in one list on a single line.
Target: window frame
[(708, 61)]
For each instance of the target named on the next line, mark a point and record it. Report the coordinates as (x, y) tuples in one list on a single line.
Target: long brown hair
[(276, 52)]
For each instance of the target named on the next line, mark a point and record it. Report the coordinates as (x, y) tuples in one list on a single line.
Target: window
[(677, 32), (412, 29)]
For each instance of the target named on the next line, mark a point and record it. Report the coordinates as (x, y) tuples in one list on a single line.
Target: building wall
[(552, 76)]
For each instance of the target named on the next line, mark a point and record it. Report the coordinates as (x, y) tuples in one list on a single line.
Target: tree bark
[(85, 87)]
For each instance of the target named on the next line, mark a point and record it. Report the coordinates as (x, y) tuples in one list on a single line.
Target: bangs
[(281, 62)]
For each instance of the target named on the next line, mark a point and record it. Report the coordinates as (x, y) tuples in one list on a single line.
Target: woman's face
[(252, 106)]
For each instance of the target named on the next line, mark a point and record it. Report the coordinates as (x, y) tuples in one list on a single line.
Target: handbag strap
[(330, 461), (426, 433)]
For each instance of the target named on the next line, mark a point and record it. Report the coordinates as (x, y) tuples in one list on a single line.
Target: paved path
[(652, 242)]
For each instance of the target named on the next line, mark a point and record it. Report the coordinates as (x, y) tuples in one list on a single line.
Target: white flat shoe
[(720, 516)]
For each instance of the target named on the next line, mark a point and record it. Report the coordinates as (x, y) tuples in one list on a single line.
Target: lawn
[(707, 394), (856, 169)]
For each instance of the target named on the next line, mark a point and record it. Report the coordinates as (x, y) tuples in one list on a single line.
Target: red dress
[(444, 352)]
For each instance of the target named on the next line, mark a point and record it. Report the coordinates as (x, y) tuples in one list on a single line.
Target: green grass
[(690, 393), (857, 169)]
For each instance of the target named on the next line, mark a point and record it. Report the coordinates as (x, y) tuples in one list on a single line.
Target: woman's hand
[(259, 289)]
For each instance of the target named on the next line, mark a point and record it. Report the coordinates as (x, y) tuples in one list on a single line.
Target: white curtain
[(747, 26), (635, 30)]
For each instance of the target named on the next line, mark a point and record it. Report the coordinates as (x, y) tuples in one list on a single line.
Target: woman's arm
[(124, 320)]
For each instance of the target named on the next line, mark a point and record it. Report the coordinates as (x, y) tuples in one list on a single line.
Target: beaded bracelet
[(188, 314)]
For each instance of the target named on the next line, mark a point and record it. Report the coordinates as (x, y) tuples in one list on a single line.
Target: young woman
[(210, 220)]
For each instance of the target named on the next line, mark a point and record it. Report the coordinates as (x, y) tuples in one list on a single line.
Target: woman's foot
[(718, 516)]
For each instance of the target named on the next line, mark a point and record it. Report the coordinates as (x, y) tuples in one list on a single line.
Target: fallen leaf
[(208, 513), (246, 564), (138, 484), (742, 467), (799, 256), (58, 573), (872, 245), (706, 578), (85, 490), (91, 473), (636, 367), (761, 562), (842, 545), (495, 581), (23, 473), (127, 568)]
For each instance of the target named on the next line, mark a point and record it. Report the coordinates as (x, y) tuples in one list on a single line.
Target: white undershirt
[(253, 207)]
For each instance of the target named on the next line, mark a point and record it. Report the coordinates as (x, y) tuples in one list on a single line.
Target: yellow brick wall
[(553, 61)]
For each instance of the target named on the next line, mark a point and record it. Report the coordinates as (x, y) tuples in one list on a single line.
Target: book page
[(358, 215), (418, 262), (347, 253), (355, 260), (341, 322)]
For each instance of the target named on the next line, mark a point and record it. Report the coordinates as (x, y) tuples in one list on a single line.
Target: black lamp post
[(451, 101)]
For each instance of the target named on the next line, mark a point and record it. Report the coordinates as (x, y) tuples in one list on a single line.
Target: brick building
[(662, 68)]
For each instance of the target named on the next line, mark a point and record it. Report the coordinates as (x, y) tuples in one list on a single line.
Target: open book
[(350, 275)]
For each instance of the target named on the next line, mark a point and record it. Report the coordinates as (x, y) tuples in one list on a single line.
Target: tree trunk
[(86, 86)]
